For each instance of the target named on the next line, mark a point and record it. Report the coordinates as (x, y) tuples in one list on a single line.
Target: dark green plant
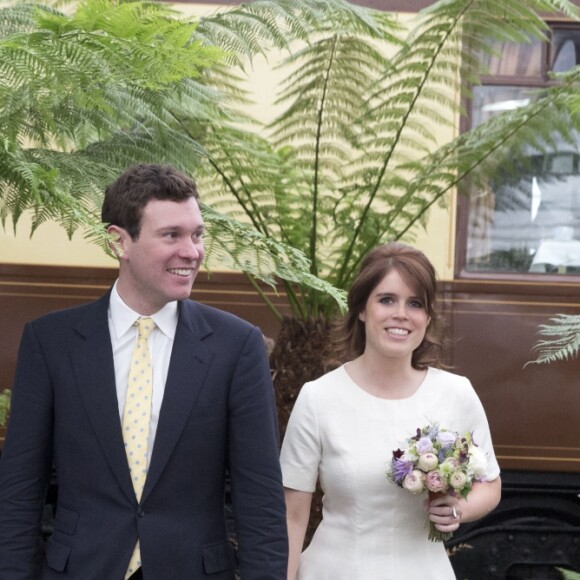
[(4, 407)]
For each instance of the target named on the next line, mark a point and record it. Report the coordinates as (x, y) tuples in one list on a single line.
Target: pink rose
[(414, 481), (435, 482), (428, 461), (457, 480)]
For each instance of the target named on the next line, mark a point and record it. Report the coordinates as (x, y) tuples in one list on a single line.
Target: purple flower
[(446, 438), (424, 445), (400, 469)]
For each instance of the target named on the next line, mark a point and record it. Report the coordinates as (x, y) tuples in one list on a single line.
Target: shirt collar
[(123, 317)]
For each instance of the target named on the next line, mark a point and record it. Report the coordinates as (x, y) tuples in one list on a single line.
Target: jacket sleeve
[(257, 491), (26, 461)]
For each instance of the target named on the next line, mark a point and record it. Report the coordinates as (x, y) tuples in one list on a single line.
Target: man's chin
[(183, 293)]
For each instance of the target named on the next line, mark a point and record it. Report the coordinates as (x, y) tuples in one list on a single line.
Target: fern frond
[(569, 574), (564, 344), (85, 95)]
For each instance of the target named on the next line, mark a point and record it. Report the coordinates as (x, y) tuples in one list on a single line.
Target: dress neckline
[(369, 396)]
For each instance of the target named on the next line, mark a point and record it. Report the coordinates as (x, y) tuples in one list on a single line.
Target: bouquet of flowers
[(438, 461)]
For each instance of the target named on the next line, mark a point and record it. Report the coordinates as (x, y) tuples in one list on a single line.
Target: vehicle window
[(527, 220)]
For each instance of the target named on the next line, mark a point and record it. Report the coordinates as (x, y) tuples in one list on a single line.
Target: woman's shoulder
[(449, 380), (325, 385)]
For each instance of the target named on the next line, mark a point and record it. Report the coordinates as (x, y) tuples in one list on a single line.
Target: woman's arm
[(297, 514), (482, 499)]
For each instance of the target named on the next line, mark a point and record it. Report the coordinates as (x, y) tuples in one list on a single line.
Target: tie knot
[(145, 326)]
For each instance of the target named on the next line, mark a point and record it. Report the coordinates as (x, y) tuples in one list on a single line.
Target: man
[(210, 409)]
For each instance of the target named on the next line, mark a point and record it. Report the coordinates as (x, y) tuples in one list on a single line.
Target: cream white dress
[(371, 528)]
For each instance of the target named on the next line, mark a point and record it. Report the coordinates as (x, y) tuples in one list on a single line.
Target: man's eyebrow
[(179, 228)]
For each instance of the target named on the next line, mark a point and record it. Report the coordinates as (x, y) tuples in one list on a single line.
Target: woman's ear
[(361, 316)]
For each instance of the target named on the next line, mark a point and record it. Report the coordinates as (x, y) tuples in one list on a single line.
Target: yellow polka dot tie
[(136, 417)]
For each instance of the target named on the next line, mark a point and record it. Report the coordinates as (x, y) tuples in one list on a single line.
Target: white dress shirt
[(123, 338)]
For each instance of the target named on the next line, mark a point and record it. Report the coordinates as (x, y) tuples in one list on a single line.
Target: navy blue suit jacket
[(218, 414)]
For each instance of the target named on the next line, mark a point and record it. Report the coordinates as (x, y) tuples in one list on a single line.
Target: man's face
[(162, 263)]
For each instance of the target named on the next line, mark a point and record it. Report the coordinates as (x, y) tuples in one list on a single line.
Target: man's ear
[(118, 242)]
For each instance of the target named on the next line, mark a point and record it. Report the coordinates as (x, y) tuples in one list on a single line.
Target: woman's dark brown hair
[(419, 274)]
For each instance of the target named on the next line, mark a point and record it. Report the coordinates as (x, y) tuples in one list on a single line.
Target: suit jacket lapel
[(188, 366), (95, 375)]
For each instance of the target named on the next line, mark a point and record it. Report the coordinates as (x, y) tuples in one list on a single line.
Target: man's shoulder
[(70, 316), (215, 317)]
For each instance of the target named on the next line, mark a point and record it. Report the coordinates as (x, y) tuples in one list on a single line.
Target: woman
[(345, 425)]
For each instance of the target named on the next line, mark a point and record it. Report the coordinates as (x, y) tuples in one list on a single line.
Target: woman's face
[(395, 319)]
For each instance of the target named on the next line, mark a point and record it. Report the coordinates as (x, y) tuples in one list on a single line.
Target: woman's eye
[(416, 304)]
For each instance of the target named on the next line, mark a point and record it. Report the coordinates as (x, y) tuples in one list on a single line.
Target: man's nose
[(192, 249)]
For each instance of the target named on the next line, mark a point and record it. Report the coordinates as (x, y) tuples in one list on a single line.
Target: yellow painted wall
[(50, 245)]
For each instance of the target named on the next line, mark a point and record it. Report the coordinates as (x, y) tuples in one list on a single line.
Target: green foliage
[(68, 81), (564, 344), (354, 157), (351, 160), (84, 94), (568, 574), (4, 407)]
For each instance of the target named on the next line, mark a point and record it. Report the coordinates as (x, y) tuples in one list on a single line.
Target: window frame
[(463, 197)]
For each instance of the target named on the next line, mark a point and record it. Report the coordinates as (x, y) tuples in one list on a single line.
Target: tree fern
[(363, 105), (352, 160), (85, 94)]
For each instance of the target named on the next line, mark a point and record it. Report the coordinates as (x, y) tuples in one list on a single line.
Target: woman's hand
[(447, 511), (444, 511)]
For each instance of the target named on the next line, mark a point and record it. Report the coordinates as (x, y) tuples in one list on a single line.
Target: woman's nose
[(401, 310)]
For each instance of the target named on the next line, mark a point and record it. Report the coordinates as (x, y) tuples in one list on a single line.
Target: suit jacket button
[(140, 514)]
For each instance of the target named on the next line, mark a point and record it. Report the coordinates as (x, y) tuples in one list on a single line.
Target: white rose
[(428, 461), (414, 481), (457, 479), (477, 463)]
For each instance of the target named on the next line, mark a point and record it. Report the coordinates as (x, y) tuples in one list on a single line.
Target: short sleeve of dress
[(301, 448), (474, 417)]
